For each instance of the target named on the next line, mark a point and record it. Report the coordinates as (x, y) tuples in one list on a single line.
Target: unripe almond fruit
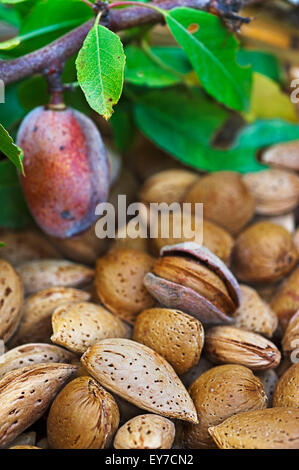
[(254, 314), (275, 191), (176, 336), (219, 393), (285, 302), (141, 376), (35, 353), (119, 282), (227, 200), (83, 416), (167, 186), (273, 428), (11, 300), (25, 395), (145, 432), (66, 167), (77, 326), (290, 342), (287, 390), (37, 312), (39, 275), (264, 252), (227, 344), (25, 245)]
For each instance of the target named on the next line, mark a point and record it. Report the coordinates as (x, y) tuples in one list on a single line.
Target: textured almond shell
[(226, 344), (275, 191), (145, 432), (141, 376), (176, 336), (273, 428), (42, 274), (11, 300), (219, 393), (25, 245), (283, 155), (264, 252), (119, 282), (210, 235), (290, 340), (35, 353), (287, 390), (286, 301), (254, 314), (167, 186), (83, 416), (26, 393), (24, 447), (227, 200), (79, 325), (36, 324)]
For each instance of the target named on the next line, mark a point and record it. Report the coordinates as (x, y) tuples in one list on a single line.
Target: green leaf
[(10, 2), (162, 66), (12, 151), (123, 126), (211, 50), (100, 69), (261, 62), (14, 212), (184, 125), (9, 15), (11, 111)]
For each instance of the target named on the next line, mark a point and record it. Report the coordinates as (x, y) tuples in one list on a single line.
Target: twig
[(116, 20)]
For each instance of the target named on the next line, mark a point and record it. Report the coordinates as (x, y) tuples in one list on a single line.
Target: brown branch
[(118, 20)]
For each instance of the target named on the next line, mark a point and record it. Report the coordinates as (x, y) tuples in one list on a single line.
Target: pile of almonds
[(158, 343)]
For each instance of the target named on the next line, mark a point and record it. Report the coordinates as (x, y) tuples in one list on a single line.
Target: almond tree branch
[(117, 20)]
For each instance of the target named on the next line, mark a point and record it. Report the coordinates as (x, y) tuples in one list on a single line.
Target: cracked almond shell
[(42, 274), (272, 428), (141, 376), (11, 300), (230, 345), (25, 395), (119, 282), (145, 432), (77, 326), (35, 325), (264, 252), (287, 390), (176, 336), (219, 393), (35, 353), (83, 416), (190, 278)]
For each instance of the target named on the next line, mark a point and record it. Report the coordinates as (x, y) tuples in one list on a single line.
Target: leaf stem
[(146, 48)]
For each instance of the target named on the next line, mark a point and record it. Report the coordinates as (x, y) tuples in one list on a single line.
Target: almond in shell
[(141, 376), (145, 432), (119, 282), (254, 314), (230, 345), (287, 390), (36, 324), (176, 336), (83, 416), (285, 302), (290, 342), (272, 428), (77, 326), (25, 395), (34, 353), (11, 300), (42, 274), (219, 393)]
